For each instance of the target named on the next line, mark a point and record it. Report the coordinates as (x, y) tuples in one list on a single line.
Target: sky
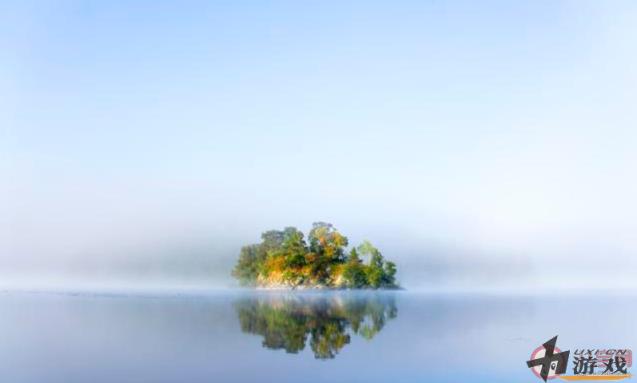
[(476, 143)]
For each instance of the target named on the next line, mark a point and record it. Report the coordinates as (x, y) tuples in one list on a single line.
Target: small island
[(284, 259)]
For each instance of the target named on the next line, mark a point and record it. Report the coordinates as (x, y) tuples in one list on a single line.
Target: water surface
[(297, 336)]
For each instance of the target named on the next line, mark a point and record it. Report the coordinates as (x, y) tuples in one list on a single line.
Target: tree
[(366, 248), (247, 267), (293, 248), (379, 273), (374, 276), (327, 241), (327, 249), (389, 277), (353, 272), (272, 239), (283, 257)]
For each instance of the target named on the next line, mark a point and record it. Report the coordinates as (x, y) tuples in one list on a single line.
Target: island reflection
[(329, 321)]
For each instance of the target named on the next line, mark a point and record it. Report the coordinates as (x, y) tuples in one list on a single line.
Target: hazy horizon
[(477, 146)]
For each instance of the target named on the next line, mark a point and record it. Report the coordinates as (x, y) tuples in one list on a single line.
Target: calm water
[(297, 337)]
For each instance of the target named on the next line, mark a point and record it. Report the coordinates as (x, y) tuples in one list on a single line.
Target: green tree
[(389, 274), (284, 256), (272, 240), (354, 272), (327, 241), (367, 249), (247, 267), (375, 272), (374, 276), (327, 248), (293, 248)]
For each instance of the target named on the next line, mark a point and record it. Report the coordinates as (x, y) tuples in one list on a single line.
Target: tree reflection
[(287, 321)]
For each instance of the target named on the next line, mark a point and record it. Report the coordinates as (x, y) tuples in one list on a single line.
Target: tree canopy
[(285, 259)]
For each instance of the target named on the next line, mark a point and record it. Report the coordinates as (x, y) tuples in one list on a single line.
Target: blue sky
[(486, 132)]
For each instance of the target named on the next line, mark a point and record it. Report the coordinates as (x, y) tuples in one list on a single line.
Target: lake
[(268, 336)]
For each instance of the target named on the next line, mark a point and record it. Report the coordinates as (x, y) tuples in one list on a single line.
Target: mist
[(148, 153)]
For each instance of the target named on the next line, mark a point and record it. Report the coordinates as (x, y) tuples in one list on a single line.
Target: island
[(285, 260)]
